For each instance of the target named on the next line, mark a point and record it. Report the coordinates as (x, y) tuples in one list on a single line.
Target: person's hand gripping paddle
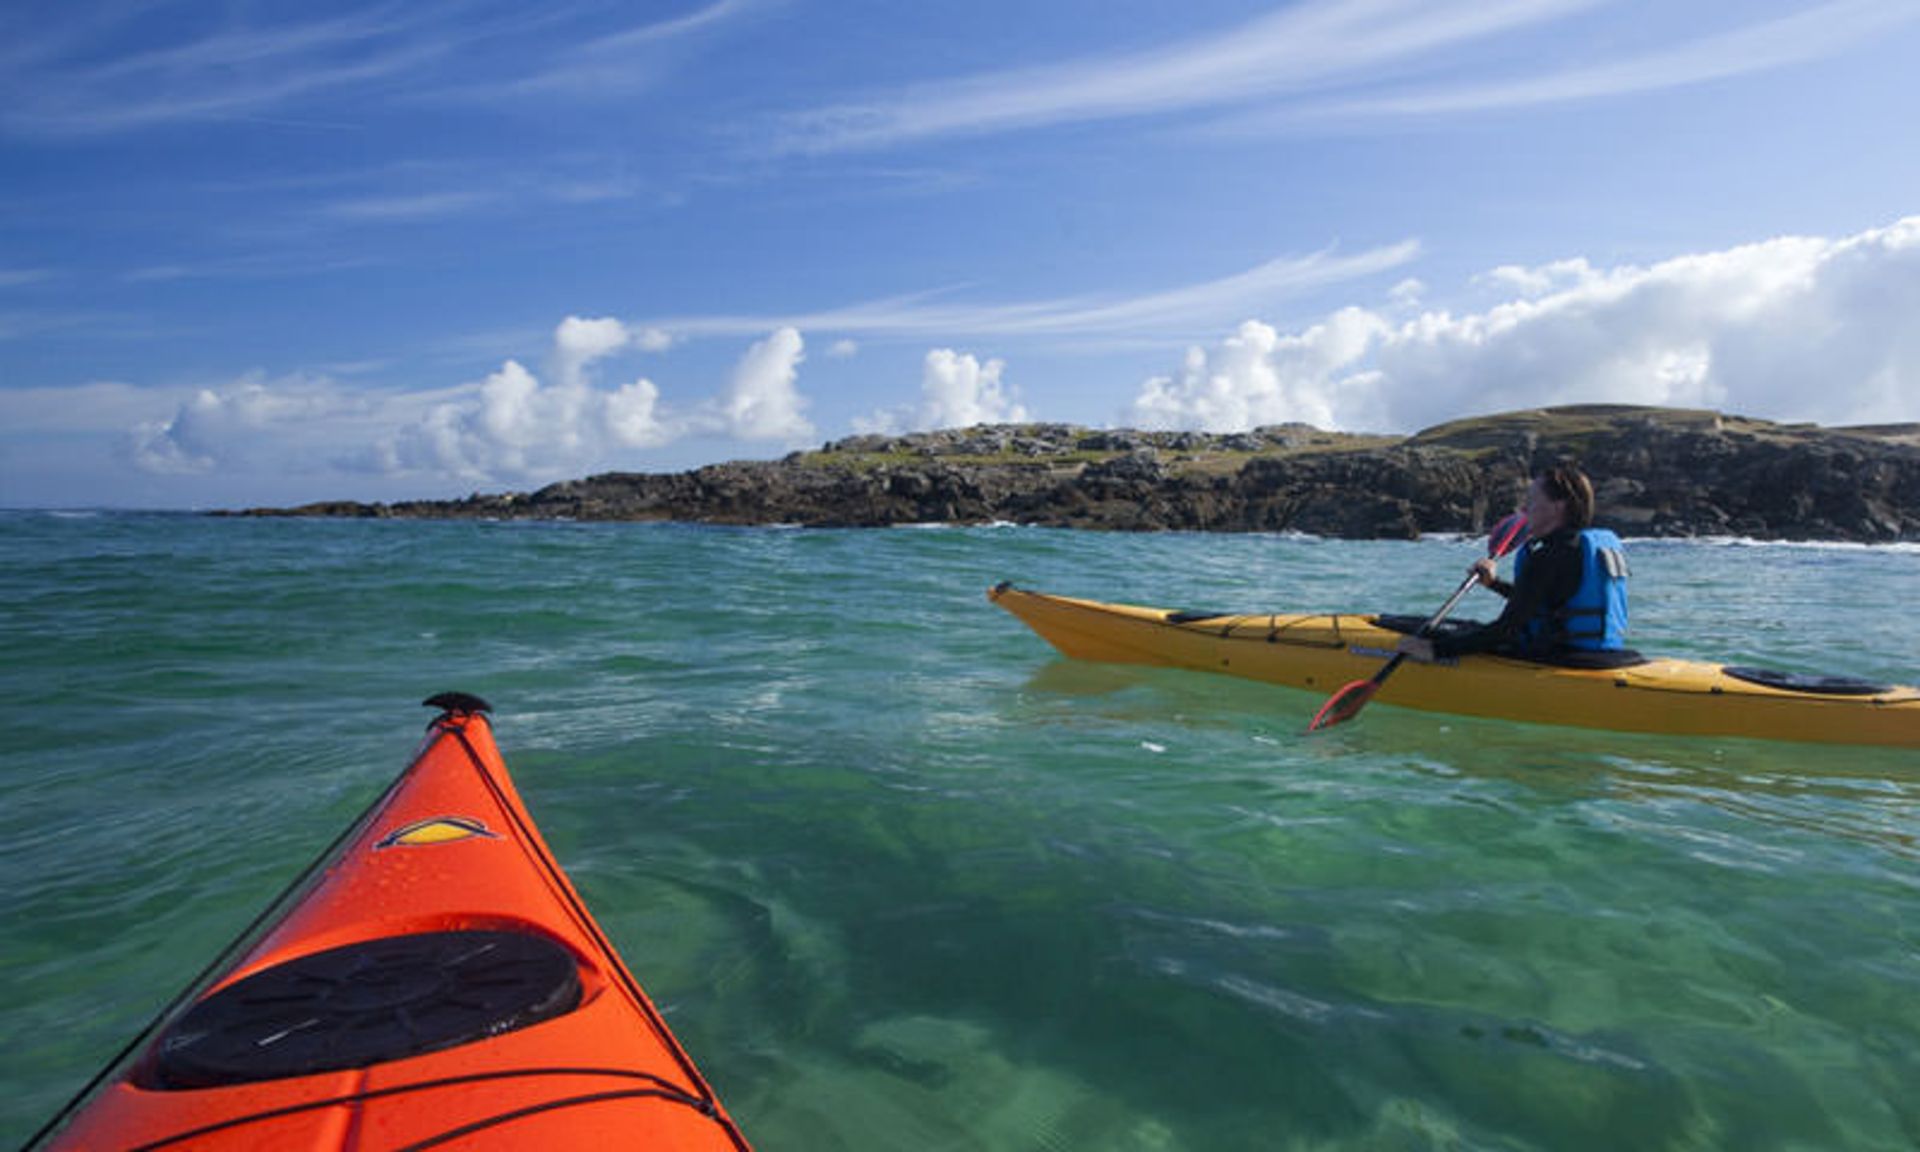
[(1345, 704)]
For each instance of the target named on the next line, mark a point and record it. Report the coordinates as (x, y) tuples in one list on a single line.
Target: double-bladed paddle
[(1345, 704)]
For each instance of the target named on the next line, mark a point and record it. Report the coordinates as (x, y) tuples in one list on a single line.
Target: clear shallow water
[(903, 879)]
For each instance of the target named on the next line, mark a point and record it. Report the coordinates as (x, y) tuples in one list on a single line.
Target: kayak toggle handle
[(462, 703)]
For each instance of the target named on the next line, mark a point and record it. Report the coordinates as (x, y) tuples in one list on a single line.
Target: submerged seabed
[(902, 879)]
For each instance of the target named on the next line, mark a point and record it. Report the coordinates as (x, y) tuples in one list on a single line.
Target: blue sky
[(273, 253)]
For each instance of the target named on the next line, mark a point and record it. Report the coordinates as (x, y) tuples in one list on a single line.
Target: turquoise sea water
[(901, 878)]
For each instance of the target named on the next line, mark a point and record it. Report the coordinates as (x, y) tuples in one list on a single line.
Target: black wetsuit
[(1554, 571)]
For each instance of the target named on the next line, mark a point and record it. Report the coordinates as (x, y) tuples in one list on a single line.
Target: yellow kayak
[(1320, 653)]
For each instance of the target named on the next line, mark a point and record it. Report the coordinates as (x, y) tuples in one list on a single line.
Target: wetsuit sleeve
[(1546, 583)]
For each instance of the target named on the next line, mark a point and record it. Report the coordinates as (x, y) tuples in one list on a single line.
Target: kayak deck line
[(661, 1089), (1276, 628), (432, 979), (1322, 651)]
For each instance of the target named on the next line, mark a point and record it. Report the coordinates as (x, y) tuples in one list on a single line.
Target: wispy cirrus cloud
[(69, 82), (621, 61), (1301, 47), (414, 190), (277, 266), (1176, 314), (1328, 60), (20, 323), (1817, 32), (422, 206), (70, 72)]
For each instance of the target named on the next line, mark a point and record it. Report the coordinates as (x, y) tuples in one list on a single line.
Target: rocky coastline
[(1658, 471)]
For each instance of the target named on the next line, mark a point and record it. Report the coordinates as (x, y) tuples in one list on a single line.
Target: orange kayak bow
[(433, 981)]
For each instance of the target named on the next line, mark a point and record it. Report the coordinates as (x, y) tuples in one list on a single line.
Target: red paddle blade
[(1505, 536), (1344, 705)]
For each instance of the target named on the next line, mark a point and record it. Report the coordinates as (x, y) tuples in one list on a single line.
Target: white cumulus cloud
[(652, 340), (577, 343), (958, 391), (251, 423), (514, 425), (763, 402), (632, 418), (1259, 376), (1795, 328)]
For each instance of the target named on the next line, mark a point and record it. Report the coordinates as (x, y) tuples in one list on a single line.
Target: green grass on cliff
[(1208, 461), (1575, 429)]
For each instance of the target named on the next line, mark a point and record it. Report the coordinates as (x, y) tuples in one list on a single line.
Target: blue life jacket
[(1594, 618)]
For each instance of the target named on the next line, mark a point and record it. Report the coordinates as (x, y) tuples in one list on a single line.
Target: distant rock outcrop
[(1658, 472)]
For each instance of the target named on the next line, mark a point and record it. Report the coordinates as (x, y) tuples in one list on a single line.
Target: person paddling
[(1568, 599)]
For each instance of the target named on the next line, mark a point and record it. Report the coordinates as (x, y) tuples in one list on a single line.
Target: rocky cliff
[(1658, 472)]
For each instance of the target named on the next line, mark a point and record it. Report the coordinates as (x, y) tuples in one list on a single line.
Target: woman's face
[(1544, 513)]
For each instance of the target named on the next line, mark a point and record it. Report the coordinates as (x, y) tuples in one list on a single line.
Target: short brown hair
[(1569, 485)]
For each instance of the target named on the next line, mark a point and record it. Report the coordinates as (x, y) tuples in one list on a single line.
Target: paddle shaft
[(1347, 702), (1386, 670)]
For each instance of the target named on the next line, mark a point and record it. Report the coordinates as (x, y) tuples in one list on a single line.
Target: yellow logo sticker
[(435, 830)]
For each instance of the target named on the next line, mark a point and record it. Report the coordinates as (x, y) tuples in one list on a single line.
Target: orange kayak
[(434, 981)]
